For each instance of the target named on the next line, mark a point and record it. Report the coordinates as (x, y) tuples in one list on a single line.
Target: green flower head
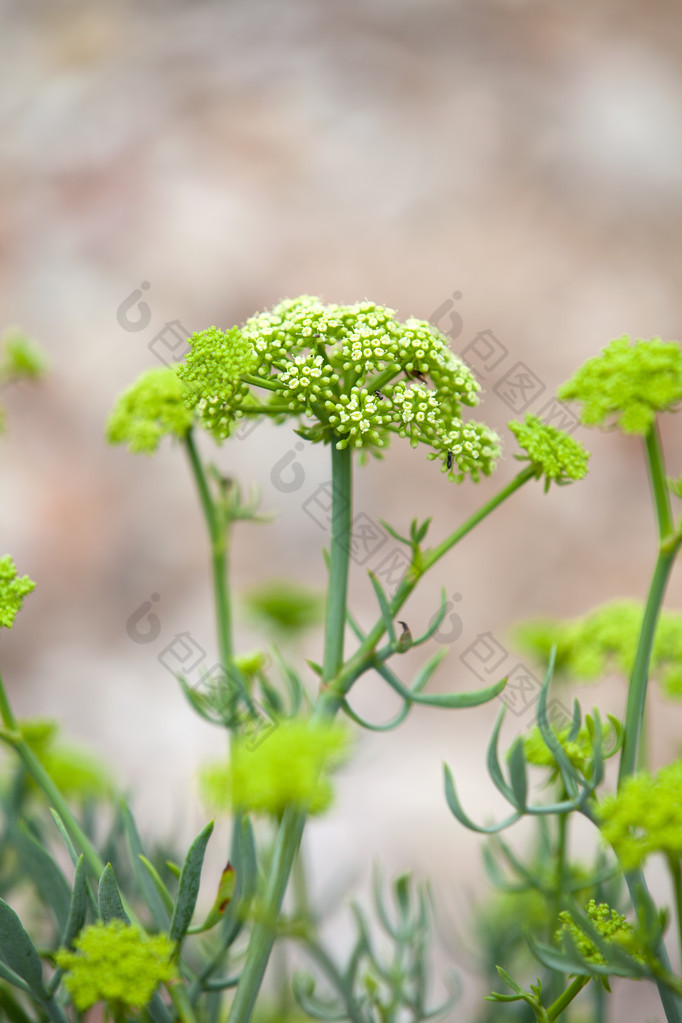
[(355, 371), (116, 963), (20, 357), (289, 767), (551, 452), (148, 410), (13, 589), (578, 750), (611, 925), (212, 373), (629, 383), (645, 816), (606, 639)]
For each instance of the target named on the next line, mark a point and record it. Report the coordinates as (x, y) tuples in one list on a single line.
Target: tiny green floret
[(116, 963), (629, 383), (212, 372), (289, 767), (552, 452), (152, 407), (610, 924), (13, 589), (645, 816)]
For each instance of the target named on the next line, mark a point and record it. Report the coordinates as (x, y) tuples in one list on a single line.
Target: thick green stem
[(676, 873), (659, 485), (217, 529), (573, 989), (183, 1009), (265, 930), (634, 712), (558, 979), (339, 560), (637, 888), (293, 821), (669, 544)]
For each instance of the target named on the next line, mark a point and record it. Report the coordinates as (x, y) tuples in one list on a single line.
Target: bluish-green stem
[(217, 530), (339, 560), (669, 543), (565, 999), (293, 821), (676, 874)]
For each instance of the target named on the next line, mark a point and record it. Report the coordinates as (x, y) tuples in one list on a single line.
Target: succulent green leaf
[(518, 774), (18, 951), (51, 884), (188, 890), (78, 905), (453, 802), (148, 888), (109, 897)]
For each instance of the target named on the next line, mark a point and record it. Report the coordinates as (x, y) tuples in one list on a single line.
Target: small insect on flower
[(449, 460), (417, 374), (379, 395)]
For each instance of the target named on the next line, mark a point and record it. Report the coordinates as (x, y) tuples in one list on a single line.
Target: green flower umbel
[(611, 925), (645, 816), (355, 371), (552, 453), (118, 964), (20, 357), (13, 589), (212, 373), (150, 408), (630, 383), (289, 767), (605, 640)]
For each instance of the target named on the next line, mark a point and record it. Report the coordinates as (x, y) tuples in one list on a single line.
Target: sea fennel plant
[(124, 933)]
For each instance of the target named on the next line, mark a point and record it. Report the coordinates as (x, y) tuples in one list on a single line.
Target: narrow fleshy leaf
[(386, 615), (493, 760), (518, 775), (158, 883), (109, 897), (78, 904), (18, 951), (436, 621), (150, 893), (188, 890), (65, 836), (50, 883), (456, 808)]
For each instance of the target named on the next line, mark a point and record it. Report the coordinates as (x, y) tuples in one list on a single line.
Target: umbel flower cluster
[(609, 924), (118, 964), (290, 766), (628, 383), (13, 589), (355, 371), (606, 639), (645, 816)]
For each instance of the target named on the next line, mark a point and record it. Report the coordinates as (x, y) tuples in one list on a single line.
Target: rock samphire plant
[(119, 929)]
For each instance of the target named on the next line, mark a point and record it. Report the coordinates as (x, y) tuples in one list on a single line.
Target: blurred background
[(509, 169)]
